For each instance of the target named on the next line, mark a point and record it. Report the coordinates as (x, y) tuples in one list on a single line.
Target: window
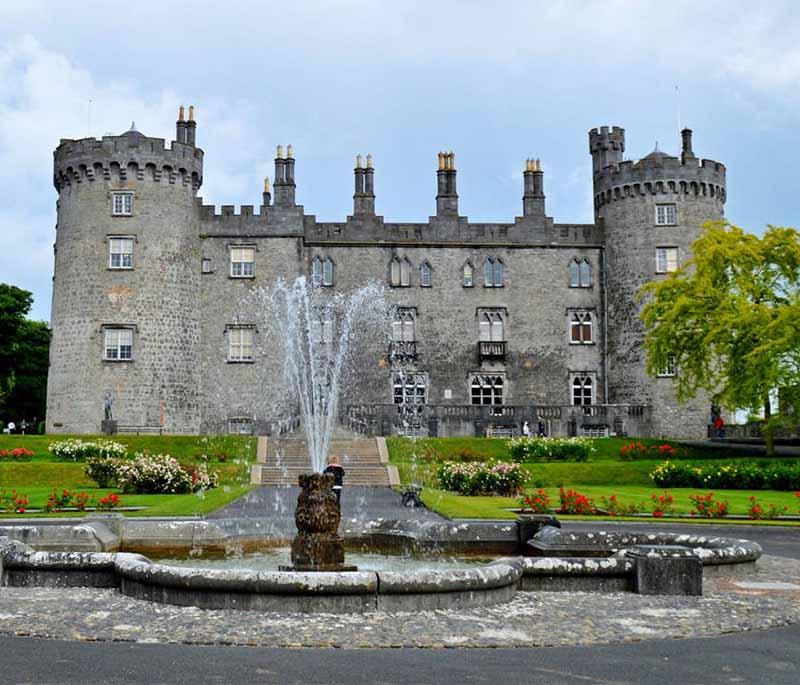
[(118, 344), (486, 389), (120, 253), (580, 328), (322, 271), (205, 266), (240, 344), (492, 273), (670, 368), (322, 327), (491, 327), (409, 388), (243, 262), (582, 391), (404, 325), (580, 273), (400, 273), (666, 215), (468, 275), (666, 259), (241, 425), (425, 275), (121, 204)]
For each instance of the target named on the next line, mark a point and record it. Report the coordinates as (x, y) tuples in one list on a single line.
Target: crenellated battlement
[(130, 156)]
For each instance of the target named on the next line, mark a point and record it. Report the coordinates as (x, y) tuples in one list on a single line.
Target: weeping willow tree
[(729, 319)]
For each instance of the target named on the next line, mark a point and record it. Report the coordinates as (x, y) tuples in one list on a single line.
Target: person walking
[(719, 425), (337, 471)]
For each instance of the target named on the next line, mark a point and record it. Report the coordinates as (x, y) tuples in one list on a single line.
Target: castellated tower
[(651, 211), (125, 313)]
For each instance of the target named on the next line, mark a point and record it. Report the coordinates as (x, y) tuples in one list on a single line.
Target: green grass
[(37, 478), (459, 506)]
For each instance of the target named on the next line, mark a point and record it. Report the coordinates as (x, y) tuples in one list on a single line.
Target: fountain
[(319, 329)]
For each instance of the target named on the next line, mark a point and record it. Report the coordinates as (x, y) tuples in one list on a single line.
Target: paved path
[(770, 656), (744, 448)]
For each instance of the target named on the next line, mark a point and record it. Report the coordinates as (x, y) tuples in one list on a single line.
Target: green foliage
[(732, 476), (15, 303), (728, 317), (551, 449)]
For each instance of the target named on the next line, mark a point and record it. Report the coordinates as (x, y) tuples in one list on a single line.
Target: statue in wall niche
[(108, 403)]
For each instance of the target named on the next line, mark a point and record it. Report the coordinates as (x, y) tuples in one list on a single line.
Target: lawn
[(230, 456), (604, 474), (458, 506)]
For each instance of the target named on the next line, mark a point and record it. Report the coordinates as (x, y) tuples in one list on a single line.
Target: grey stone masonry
[(145, 295)]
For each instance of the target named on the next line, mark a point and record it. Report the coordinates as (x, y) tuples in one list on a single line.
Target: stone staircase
[(281, 460)]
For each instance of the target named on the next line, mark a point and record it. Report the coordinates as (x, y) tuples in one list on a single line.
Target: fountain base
[(317, 546)]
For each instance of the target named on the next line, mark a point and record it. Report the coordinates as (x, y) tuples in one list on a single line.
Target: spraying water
[(320, 329)]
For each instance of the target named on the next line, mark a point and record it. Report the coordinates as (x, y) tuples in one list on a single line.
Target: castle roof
[(656, 157)]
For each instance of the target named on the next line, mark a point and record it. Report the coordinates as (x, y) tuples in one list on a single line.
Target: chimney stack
[(364, 197), (266, 195), (284, 178), (180, 126), (686, 146), (191, 127), (447, 196), (533, 197)]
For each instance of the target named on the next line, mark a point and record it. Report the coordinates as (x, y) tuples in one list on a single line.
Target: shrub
[(161, 474), (550, 449), (705, 506), (756, 511), (76, 450), (103, 470), (80, 501), (109, 502), (573, 502), (481, 478), (538, 503), (13, 503), (614, 507), (56, 501), (662, 505), (731, 476), (17, 454), (638, 450)]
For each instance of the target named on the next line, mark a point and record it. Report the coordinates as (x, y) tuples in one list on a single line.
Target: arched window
[(580, 328), (574, 274), (404, 325), (586, 274), (316, 271), (400, 272), (486, 389), (425, 275), (467, 275), (582, 390), (327, 271), (491, 327), (493, 273)]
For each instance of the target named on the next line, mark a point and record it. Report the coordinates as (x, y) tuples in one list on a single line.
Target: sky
[(495, 82)]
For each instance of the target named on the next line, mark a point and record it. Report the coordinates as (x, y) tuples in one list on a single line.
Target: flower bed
[(550, 449), (16, 454), (150, 474), (638, 450), (728, 476), (78, 450), (481, 478)]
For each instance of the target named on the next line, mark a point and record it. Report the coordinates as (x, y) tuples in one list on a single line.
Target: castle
[(497, 324)]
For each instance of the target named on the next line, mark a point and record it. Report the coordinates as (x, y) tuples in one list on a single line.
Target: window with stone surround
[(666, 214), (120, 252), (491, 325), (493, 272), (404, 326), (670, 369), (118, 344), (122, 204), (243, 261), (580, 273), (322, 271), (240, 343), (580, 328), (400, 272), (425, 275), (409, 388), (467, 278), (206, 266), (666, 260), (240, 425), (486, 389), (323, 326), (582, 387)]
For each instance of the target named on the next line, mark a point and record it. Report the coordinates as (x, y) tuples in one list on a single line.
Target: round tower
[(125, 312), (651, 212)]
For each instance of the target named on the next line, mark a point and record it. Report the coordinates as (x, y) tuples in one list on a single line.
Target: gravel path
[(769, 598)]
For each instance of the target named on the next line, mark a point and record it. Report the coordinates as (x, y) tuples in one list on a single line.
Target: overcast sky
[(496, 82)]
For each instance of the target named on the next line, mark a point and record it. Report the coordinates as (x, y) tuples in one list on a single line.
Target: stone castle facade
[(497, 323)]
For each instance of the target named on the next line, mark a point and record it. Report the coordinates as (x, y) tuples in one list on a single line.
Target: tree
[(24, 352), (730, 318)]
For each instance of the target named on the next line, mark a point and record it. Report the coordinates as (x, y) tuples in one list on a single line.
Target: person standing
[(526, 429), (11, 427), (337, 471)]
